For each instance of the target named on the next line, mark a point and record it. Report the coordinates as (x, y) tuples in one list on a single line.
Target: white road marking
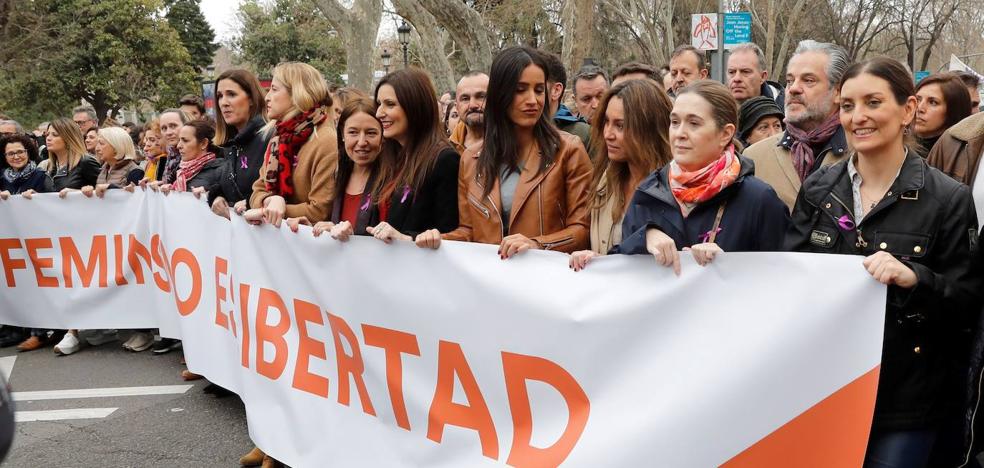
[(7, 366), (100, 392), (58, 415)]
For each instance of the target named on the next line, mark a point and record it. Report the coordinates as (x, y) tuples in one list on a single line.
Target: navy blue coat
[(39, 181), (754, 217)]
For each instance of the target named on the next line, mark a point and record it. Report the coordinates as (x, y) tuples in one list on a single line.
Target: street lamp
[(403, 32), (387, 60)]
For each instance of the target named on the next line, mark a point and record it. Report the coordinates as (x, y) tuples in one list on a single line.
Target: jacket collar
[(248, 133), (564, 115), (836, 180), (968, 129), (837, 143), (770, 89)]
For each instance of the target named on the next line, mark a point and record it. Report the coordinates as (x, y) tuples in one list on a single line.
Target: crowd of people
[(843, 158)]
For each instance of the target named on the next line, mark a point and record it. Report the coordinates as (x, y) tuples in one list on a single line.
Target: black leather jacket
[(926, 220)]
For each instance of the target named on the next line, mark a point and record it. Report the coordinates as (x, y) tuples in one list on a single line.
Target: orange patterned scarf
[(693, 188)]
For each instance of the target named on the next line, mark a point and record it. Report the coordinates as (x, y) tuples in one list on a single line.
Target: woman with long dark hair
[(916, 229), (357, 180), (418, 177), (527, 185), (238, 124), (630, 141)]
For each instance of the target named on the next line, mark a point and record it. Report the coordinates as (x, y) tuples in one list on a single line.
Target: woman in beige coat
[(297, 178), (630, 142)]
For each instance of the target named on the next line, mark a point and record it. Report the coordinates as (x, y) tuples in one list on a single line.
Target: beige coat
[(314, 177), (605, 231), (774, 166)]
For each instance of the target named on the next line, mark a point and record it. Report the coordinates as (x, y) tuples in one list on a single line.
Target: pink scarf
[(692, 188), (187, 170), (803, 143)]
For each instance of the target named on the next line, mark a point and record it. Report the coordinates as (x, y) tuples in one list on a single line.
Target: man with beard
[(470, 103), (813, 136)]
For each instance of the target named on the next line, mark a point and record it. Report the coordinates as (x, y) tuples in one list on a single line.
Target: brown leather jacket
[(958, 151), (550, 207)]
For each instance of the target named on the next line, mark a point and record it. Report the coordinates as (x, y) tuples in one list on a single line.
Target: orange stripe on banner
[(833, 433)]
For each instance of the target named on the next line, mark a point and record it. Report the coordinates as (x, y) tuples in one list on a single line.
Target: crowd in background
[(839, 158)]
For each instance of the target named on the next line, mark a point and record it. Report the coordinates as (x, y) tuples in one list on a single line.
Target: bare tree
[(431, 40), (768, 19), (466, 27), (577, 18), (920, 24), (357, 27), (650, 24), (855, 24)]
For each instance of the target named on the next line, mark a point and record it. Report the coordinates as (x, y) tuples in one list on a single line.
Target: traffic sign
[(703, 31), (920, 75), (737, 29)]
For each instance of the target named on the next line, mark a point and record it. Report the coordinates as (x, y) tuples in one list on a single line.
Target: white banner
[(366, 354)]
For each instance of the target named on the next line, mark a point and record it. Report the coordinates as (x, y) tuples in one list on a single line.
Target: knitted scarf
[(187, 170), (11, 176), (803, 143), (692, 188), (281, 157)]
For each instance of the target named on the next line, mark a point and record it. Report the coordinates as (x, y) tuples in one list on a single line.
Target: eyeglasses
[(81, 122), (11, 154)]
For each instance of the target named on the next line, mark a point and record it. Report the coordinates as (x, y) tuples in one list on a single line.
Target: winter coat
[(774, 162), (85, 172), (927, 221), (208, 177), (754, 219), (39, 181), (246, 148)]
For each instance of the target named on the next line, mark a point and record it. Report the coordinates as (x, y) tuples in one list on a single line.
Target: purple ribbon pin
[(242, 162), (406, 192), (845, 223), (706, 237), (365, 206)]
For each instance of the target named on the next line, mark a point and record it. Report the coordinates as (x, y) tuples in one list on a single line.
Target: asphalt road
[(184, 427)]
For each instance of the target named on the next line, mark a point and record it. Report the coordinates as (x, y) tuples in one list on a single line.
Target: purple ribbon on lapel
[(406, 192), (846, 223), (706, 237), (365, 206)]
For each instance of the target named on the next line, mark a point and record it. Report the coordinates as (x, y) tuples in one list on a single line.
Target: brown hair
[(646, 142), (425, 140), (955, 96), (251, 86), (346, 94), (635, 67), (724, 107), (357, 104), (204, 131)]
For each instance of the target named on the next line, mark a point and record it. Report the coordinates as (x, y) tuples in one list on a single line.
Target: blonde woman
[(68, 164), (115, 148), (297, 179)]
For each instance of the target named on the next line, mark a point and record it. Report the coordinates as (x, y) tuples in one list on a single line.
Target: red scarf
[(187, 170), (281, 157), (693, 188), (803, 143)]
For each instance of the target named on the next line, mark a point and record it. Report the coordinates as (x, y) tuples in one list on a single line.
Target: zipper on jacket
[(861, 243), (551, 245), (478, 206)]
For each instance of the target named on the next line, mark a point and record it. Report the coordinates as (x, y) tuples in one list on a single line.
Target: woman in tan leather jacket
[(527, 185)]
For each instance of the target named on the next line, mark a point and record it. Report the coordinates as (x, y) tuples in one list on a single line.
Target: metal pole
[(406, 60), (717, 68)]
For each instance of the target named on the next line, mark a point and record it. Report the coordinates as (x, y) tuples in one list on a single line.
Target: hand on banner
[(154, 185), (221, 207), (64, 192), (130, 187), (4, 195), (87, 191), (580, 259), (274, 208), (144, 183), (663, 249), (889, 270), (704, 253), (515, 244), (240, 207), (165, 188), (254, 216), (28, 194), (429, 239), (386, 233), (294, 223), (339, 232), (198, 192)]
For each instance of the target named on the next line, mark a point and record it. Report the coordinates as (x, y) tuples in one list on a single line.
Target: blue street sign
[(737, 28), (920, 75)]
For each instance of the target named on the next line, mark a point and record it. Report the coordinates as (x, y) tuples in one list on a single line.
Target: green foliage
[(288, 30), (112, 53), (186, 17)]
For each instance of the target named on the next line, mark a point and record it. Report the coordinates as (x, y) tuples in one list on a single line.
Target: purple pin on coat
[(706, 237), (846, 223), (406, 193), (242, 162), (365, 206)]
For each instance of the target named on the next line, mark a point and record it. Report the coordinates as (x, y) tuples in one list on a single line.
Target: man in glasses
[(85, 117)]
